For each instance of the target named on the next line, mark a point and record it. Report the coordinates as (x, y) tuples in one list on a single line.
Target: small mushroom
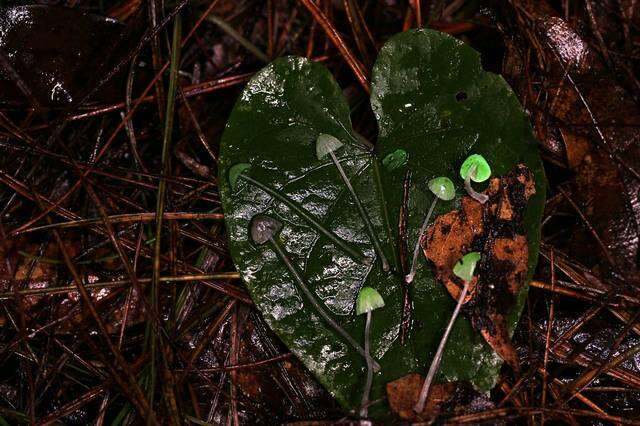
[(463, 269), (442, 187), (395, 160), (238, 172), (235, 172), (475, 168), (264, 229), (368, 301), (327, 145)]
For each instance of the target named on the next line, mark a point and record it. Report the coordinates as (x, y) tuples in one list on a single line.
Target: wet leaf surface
[(57, 53), (417, 83)]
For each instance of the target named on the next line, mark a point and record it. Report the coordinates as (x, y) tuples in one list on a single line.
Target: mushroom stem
[(435, 364), (481, 198), (374, 240), (364, 410), (311, 298), (353, 253), (416, 251)]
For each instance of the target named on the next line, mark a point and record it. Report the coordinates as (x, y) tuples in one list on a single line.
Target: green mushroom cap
[(368, 300), (443, 188), (465, 267), (395, 160), (234, 173), (482, 170), (326, 144)]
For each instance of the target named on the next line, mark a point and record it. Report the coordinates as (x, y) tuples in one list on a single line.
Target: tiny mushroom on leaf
[(395, 160), (237, 171), (368, 301), (466, 266), (463, 269), (234, 173), (327, 145), (264, 229), (443, 188), (475, 168)]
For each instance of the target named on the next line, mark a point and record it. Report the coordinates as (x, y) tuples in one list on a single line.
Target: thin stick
[(481, 198), (362, 211), (338, 42), (117, 284), (224, 26), (125, 218), (418, 12), (364, 411), (414, 263), (154, 345), (435, 364), (548, 336)]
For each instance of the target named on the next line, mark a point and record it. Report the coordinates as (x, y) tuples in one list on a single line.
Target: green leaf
[(422, 127)]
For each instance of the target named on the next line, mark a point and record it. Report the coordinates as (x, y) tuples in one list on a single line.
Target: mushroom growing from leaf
[(475, 168), (395, 160), (238, 172), (368, 301), (463, 269), (442, 187), (327, 145), (264, 229), (235, 172)]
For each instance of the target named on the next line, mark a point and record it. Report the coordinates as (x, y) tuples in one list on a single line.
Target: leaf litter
[(592, 303)]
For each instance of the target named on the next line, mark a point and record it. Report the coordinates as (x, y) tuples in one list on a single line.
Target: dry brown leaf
[(404, 392), (449, 398)]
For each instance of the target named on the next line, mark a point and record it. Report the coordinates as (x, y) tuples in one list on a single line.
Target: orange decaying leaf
[(403, 394), (494, 229), (445, 399)]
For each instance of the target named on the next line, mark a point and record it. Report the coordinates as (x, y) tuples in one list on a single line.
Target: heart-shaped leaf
[(435, 106)]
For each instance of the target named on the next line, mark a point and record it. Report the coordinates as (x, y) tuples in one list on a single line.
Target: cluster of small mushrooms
[(265, 229)]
